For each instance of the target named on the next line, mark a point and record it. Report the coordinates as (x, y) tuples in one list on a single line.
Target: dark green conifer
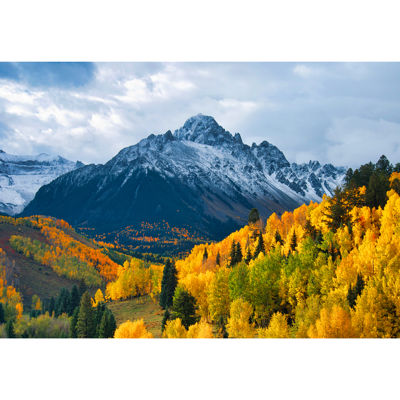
[(239, 255), (2, 316), (260, 246), (278, 237), (74, 321), (184, 307), (10, 329), (86, 326), (168, 284), (254, 216), (293, 242)]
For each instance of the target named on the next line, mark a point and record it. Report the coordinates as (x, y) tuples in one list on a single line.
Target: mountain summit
[(201, 177)]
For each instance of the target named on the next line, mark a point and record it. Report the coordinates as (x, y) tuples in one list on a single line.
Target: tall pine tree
[(168, 284), (184, 307), (260, 246), (86, 325)]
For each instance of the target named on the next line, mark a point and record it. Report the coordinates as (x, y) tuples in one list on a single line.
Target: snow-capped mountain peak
[(21, 176)]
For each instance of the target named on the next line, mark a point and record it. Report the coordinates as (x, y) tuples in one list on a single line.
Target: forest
[(327, 270)]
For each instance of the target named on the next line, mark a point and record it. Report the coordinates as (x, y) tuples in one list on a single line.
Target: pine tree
[(10, 329), (52, 306), (107, 325), (184, 307), (254, 216), (75, 298), (63, 303), (239, 255), (293, 242), (218, 259), (260, 246), (74, 321), (82, 287), (205, 255), (310, 230), (111, 323), (353, 293), (85, 326), (168, 284), (164, 284), (98, 315), (2, 316), (278, 237)]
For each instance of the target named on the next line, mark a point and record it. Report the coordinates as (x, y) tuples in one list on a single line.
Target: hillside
[(327, 270), (32, 276)]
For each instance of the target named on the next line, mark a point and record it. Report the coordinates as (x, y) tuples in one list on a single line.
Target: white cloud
[(14, 93)]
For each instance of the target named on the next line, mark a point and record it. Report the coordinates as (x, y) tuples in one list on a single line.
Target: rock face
[(22, 176), (201, 177)]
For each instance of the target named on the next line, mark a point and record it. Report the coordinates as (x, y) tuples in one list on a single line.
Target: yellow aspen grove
[(277, 328), (175, 330), (200, 330), (334, 323), (238, 325), (134, 330)]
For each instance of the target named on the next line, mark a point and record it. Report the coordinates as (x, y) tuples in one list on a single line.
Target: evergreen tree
[(75, 298), (260, 246), (74, 321), (205, 255), (383, 165), (168, 284), (239, 255), (164, 284), (107, 325), (52, 306), (293, 242), (184, 307), (378, 185), (86, 327), (218, 259), (111, 324), (310, 230), (278, 237), (2, 316), (98, 315), (254, 216), (63, 303), (82, 287), (166, 317), (353, 293), (10, 329), (232, 255)]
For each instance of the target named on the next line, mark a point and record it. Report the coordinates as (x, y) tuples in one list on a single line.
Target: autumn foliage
[(327, 270)]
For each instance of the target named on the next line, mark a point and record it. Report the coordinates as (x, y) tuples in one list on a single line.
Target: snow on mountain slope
[(22, 176), (201, 175)]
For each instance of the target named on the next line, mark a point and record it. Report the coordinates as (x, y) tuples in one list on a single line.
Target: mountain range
[(201, 177), (22, 176)]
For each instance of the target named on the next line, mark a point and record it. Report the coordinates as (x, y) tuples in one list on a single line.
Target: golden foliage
[(132, 330)]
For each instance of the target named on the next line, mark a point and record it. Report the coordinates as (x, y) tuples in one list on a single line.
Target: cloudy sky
[(343, 113)]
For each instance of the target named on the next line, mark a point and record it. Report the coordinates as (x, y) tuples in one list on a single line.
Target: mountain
[(201, 177), (22, 176)]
